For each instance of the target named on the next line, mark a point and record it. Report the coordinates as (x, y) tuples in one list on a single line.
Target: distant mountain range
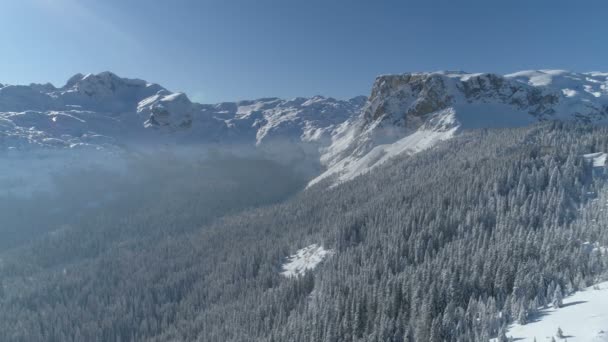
[(344, 138)]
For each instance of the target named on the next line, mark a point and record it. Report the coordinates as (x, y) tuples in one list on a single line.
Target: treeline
[(451, 244)]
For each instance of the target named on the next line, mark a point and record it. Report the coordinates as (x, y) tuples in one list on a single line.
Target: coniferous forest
[(451, 244)]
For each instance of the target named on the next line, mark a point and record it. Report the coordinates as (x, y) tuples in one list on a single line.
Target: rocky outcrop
[(171, 112), (409, 112)]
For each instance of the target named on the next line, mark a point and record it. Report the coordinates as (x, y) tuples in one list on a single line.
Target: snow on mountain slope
[(173, 111), (337, 139), (583, 318), (305, 260), (90, 110), (597, 159), (105, 110), (411, 112)]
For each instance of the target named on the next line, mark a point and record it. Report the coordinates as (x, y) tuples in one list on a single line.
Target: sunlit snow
[(583, 318), (598, 159), (351, 167), (569, 92), (305, 259)]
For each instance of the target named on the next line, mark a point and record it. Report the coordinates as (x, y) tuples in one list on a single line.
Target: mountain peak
[(103, 82), (73, 80)]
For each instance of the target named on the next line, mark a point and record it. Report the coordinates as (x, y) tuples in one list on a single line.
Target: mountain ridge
[(42, 115), (410, 112), (405, 113)]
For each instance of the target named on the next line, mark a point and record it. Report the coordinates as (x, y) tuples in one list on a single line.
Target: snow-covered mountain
[(404, 114), (411, 112), (105, 111)]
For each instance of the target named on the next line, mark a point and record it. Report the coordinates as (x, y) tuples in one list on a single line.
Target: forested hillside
[(133, 196), (450, 244)]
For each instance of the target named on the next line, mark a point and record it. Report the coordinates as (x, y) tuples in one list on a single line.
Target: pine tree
[(522, 317), (557, 297), (502, 336)]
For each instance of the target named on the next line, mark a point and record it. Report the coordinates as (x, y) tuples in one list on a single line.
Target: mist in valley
[(119, 194)]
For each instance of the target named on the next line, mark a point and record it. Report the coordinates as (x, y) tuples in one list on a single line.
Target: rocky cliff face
[(410, 112), (411, 97)]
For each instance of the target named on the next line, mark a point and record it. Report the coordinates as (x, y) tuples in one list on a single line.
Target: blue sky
[(223, 50)]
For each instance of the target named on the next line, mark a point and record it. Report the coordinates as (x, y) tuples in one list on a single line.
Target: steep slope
[(411, 112)]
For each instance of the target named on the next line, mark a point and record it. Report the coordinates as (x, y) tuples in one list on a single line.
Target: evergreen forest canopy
[(450, 244)]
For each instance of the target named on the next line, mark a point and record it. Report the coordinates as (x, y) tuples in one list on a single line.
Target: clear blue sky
[(229, 50)]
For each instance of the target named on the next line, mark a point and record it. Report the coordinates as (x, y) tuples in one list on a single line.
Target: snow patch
[(597, 159), (538, 78), (305, 259), (569, 92), (351, 167), (589, 89)]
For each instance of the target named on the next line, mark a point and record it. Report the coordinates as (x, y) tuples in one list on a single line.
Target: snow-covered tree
[(557, 297)]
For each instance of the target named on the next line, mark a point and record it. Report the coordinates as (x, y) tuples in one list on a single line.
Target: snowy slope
[(304, 260), (411, 112), (583, 318)]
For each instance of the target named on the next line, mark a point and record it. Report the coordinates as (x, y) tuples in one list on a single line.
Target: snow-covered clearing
[(583, 318), (598, 159), (305, 259)]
